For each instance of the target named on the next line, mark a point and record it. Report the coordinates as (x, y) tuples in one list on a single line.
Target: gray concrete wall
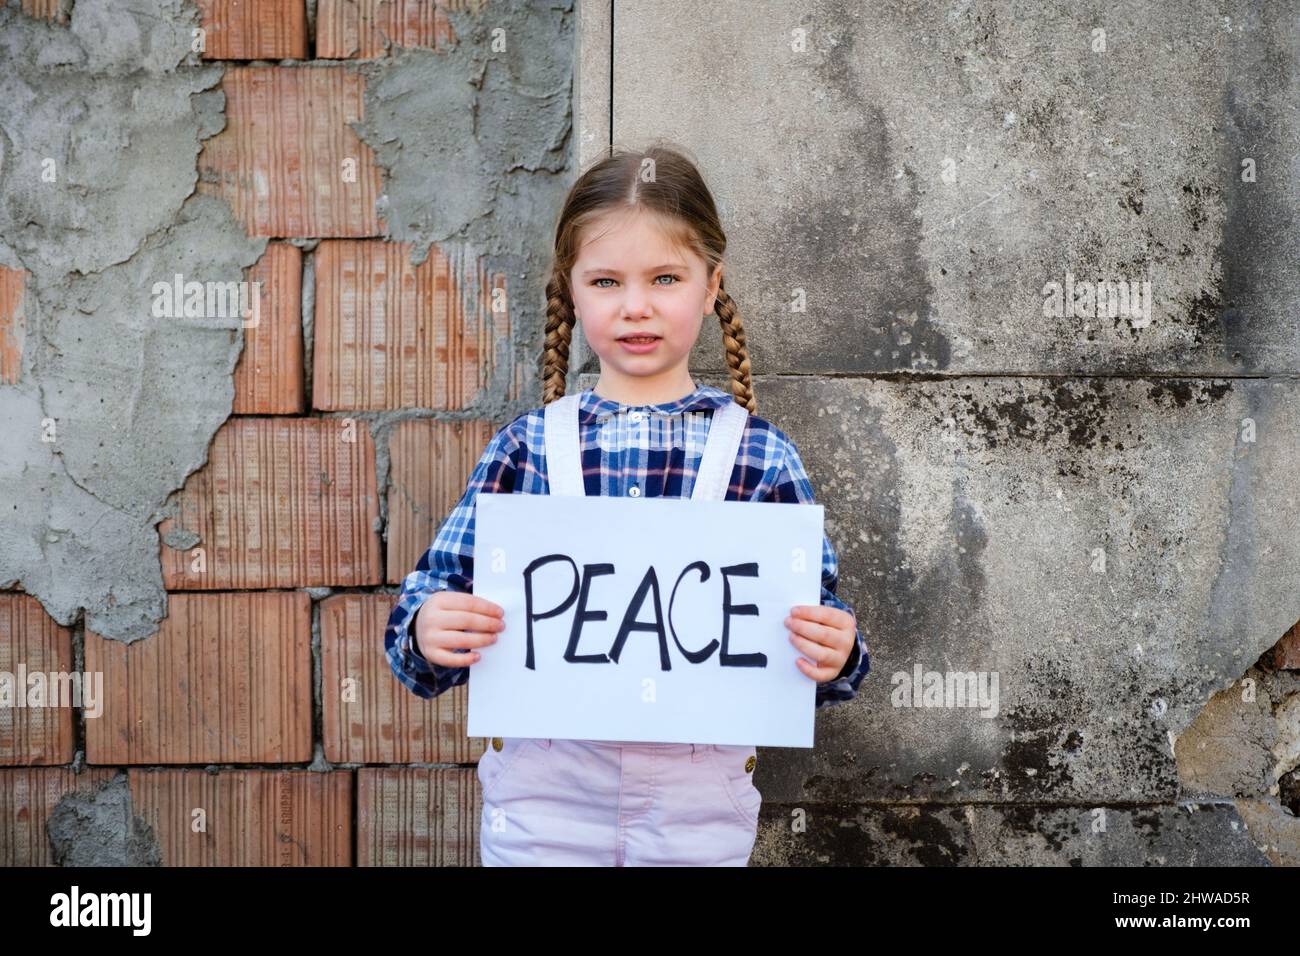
[(1100, 510)]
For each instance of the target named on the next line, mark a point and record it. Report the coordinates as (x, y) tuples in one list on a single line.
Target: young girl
[(638, 261)]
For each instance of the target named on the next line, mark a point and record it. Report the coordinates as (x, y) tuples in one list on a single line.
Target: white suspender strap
[(563, 455), (712, 479), (720, 449)]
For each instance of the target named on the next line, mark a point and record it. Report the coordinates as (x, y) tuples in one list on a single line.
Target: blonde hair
[(676, 194)]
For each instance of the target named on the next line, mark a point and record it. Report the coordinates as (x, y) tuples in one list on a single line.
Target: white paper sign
[(656, 619)]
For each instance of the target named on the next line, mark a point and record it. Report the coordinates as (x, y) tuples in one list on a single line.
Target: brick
[(1286, 652), (365, 28), (269, 376), (282, 502), (373, 718), (13, 324), (27, 797), (392, 335), (227, 679), (430, 464), (30, 639), (248, 30), (249, 817), (287, 162), (44, 9), (418, 817)]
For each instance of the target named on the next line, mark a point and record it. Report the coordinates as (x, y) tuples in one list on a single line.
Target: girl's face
[(629, 280)]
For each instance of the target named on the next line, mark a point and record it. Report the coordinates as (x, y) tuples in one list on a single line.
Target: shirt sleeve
[(792, 486), (448, 565)]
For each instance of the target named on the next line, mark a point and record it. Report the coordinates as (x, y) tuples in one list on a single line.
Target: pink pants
[(553, 802)]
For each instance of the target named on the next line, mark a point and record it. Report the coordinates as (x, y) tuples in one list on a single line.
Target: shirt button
[(497, 743), (634, 417), (634, 492)]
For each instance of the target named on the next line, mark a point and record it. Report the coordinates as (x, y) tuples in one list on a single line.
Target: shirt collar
[(704, 396)]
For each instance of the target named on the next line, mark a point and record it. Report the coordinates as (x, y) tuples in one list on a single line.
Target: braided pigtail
[(559, 333), (733, 344)]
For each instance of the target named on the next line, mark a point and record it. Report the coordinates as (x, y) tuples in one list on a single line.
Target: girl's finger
[(834, 617), (820, 633), (460, 601), (450, 640), (819, 654), (819, 674), (469, 621), (444, 657)]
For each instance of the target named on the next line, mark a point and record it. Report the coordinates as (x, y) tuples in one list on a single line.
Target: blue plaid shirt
[(654, 448)]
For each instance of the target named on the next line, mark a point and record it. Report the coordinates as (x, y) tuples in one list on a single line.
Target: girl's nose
[(636, 309), (636, 303)]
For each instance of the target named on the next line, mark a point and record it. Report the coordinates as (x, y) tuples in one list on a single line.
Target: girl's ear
[(715, 282)]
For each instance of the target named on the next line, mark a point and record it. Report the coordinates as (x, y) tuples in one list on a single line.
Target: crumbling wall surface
[(470, 139), (206, 514), (101, 122), (1245, 746)]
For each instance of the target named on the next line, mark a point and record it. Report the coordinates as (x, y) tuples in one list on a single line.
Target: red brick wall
[(262, 709)]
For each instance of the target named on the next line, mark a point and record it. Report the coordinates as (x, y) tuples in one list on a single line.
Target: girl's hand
[(824, 633), (453, 619)]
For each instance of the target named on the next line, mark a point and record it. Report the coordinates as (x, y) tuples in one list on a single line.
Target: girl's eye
[(666, 275)]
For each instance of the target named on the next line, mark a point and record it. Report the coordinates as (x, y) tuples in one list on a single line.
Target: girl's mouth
[(639, 343)]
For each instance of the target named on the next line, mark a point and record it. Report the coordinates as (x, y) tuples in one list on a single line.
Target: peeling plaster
[(101, 828), (114, 406), (473, 141), (1241, 746)]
